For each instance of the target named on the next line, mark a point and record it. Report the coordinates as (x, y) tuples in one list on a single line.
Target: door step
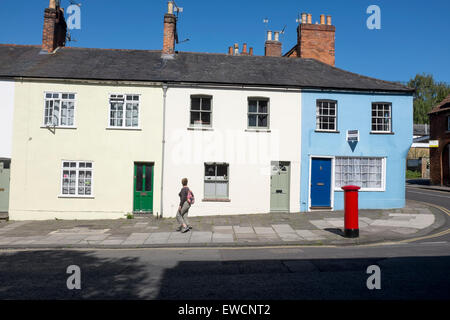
[(321, 208), (4, 216)]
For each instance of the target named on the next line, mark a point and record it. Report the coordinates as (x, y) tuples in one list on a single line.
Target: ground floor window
[(216, 181), (365, 172), (77, 178)]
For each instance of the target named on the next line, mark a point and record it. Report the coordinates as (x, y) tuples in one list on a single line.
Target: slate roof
[(143, 65), (443, 106)]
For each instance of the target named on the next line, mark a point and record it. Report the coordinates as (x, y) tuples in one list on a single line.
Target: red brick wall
[(439, 157), (55, 30), (272, 48), (317, 41), (170, 23)]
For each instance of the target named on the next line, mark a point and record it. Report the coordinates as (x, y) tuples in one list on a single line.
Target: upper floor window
[(448, 123), (258, 113), (381, 117), (59, 109), (201, 111), (124, 111), (326, 115)]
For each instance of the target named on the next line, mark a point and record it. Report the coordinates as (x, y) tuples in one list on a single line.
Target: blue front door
[(321, 182)]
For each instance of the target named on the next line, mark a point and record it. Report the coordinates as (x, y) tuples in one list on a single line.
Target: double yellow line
[(445, 210)]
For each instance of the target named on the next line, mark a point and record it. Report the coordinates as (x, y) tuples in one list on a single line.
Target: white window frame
[(77, 169), (201, 125), (124, 118), (382, 188), (61, 101), (216, 179), (319, 116), (383, 117), (257, 113)]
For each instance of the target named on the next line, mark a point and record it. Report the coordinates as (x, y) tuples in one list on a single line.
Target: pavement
[(316, 228), (425, 184)]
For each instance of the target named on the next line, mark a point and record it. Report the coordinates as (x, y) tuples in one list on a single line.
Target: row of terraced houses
[(96, 134)]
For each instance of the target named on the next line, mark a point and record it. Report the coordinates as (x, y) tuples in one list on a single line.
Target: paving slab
[(178, 237), (223, 229), (264, 231), (222, 237), (283, 228), (201, 237), (245, 230)]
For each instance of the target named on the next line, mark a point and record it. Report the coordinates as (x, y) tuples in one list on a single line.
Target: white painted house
[(6, 131), (238, 146)]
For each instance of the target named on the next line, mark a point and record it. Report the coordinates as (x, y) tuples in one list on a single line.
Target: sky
[(414, 36)]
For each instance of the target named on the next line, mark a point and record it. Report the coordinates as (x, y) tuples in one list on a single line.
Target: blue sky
[(414, 35)]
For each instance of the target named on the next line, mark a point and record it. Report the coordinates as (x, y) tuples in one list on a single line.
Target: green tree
[(428, 94)]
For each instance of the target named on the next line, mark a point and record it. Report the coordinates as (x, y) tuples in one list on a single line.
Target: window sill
[(59, 127), (216, 200), (64, 196), (124, 128), (200, 128), (258, 130), (381, 132), (327, 131)]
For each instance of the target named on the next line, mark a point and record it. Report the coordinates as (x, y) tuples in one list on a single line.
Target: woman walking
[(183, 209)]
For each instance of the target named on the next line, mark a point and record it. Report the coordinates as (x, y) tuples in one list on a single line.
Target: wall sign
[(352, 135), (434, 143)]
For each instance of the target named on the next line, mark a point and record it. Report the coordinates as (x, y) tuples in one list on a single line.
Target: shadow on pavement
[(42, 275), (337, 231), (422, 182)]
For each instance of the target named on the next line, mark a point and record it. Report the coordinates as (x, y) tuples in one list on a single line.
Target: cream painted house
[(239, 148), (77, 157)]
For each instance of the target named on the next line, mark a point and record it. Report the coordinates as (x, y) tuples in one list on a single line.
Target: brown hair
[(184, 182)]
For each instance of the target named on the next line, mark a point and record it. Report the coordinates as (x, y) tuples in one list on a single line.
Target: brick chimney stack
[(55, 27), (273, 47), (316, 41), (170, 30)]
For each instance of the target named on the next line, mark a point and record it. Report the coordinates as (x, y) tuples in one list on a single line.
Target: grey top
[(183, 67), (183, 195)]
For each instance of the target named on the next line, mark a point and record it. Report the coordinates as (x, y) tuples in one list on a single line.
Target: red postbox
[(351, 211)]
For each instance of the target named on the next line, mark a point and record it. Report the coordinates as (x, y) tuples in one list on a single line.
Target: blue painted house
[(355, 138)]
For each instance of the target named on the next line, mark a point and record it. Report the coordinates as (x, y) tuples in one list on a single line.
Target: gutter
[(165, 88)]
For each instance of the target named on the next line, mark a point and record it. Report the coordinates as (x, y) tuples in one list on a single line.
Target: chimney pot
[(269, 35), (170, 7), (322, 19), (276, 36), (309, 18), (52, 4), (329, 20), (304, 18), (236, 49), (251, 51), (230, 51), (244, 48)]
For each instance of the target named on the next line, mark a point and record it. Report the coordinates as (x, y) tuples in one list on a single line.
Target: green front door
[(143, 187)]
